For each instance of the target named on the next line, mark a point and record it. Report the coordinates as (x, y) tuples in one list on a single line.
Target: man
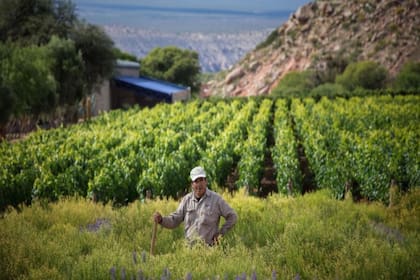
[(201, 211)]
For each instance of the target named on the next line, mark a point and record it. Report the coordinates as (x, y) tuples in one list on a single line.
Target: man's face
[(199, 186)]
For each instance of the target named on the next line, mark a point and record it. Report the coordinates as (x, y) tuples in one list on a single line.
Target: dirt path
[(308, 177), (268, 182)]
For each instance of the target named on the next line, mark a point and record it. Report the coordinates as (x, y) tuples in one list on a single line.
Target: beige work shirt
[(202, 217)]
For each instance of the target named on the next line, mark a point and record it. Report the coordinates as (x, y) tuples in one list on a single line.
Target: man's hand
[(157, 217), (217, 239)]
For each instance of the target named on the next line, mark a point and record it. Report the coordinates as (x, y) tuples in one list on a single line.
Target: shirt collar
[(207, 194)]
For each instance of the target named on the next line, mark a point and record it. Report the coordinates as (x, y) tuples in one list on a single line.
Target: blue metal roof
[(149, 85)]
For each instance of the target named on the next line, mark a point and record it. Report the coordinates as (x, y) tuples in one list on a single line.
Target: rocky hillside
[(385, 31)]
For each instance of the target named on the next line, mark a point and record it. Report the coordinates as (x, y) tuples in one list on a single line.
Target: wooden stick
[(152, 245)]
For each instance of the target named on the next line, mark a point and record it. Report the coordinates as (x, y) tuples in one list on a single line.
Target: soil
[(308, 177), (268, 183)]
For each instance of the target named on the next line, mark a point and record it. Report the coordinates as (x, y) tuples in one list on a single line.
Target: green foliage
[(328, 90), (360, 79), (34, 22), (254, 150), (121, 155), (313, 236), (80, 55), (174, 65), (97, 52), (67, 66), (284, 152), (119, 54), (7, 103), (224, 150), (295, 84), (360, 141), (26, 72), (408, 77), (364, 74)]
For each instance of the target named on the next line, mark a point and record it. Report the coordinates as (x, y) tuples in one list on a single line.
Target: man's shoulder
[(213, 194), (188, 196)]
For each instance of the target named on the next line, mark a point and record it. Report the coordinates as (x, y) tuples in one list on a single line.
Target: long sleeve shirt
[(202, 216)]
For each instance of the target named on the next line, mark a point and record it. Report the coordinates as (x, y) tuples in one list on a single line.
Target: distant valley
[(217, 51)]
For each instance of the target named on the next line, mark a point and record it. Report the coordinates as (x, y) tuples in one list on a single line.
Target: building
[(127, 88)]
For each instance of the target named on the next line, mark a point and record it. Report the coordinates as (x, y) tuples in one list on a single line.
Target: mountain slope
[(385, 31)]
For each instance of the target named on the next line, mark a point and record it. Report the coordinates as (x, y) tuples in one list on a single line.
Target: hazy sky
[(238, 5)]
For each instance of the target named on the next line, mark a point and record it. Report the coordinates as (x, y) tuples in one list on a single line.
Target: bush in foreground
[(313, 236)]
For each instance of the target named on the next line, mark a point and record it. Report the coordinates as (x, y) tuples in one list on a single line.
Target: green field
[(362, 143), (313, 236), (51, 228)]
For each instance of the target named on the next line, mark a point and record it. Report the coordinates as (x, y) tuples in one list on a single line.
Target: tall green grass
[(313, 236)]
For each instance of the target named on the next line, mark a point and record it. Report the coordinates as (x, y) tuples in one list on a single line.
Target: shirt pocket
[(190, 216), (209, 214)]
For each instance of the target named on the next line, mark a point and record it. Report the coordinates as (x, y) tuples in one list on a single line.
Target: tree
[(35, 21), (67, 65), (80, 55), (97, 51), (65, 18), (173, 65), (408, 77), (7, 103), (363, 74), (119, 54), (8, 99), (26, 72)]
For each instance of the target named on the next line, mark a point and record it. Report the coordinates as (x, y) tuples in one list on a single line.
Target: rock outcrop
[(385, 31)]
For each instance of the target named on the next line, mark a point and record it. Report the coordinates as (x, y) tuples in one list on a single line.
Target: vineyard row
[(358, 143)]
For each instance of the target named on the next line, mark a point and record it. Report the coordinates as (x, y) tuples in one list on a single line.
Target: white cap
[(197, 172)]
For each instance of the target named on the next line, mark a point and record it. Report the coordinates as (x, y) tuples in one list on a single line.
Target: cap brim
[(198, 176)]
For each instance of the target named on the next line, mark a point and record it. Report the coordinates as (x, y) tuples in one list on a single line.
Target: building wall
[(127, 71), (181, 95), (121, 98), (102, 99)]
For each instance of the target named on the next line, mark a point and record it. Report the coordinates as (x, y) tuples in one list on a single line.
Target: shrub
[(408, 77), (335, 65), (364, 74), (329, 90), (296, 84)]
